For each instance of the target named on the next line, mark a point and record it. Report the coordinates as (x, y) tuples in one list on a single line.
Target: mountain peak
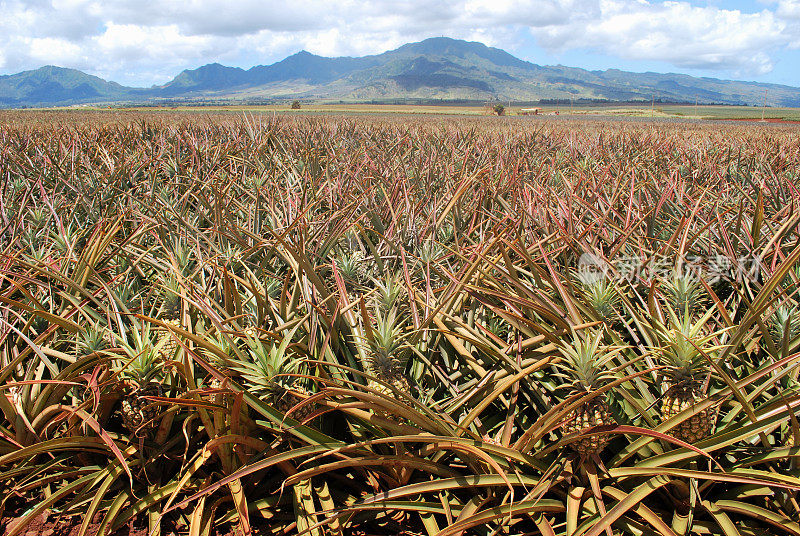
[(303, 55), (441, 44), (447, 46), (212, 76), (53, 70)]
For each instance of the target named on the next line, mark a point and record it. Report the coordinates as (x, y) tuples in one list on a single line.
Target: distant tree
[(499, 109), (295, 105)]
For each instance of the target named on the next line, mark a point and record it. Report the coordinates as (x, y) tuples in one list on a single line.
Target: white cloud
[(149, 42), (677, 33), (534, 14), (129, 41), (55, 50), (789, 9)]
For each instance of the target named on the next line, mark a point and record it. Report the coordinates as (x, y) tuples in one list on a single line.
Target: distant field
[(699, 112), (319, 108), (643, 111), (676, 111)]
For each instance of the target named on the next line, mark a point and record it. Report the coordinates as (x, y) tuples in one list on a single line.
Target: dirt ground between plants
[(53, 525)]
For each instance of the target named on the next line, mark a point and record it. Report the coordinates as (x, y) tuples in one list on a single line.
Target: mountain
[(209, 77), (434, 69), (51, 85)]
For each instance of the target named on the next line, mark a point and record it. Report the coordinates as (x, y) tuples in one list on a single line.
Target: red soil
[(52, 525)]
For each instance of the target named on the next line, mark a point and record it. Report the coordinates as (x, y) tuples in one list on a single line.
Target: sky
[(147, 42)]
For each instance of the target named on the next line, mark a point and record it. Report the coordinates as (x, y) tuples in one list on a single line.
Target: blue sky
[(145, 43)]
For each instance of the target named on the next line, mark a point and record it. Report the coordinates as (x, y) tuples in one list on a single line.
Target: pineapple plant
[(784, 325), (412, 235), (138, 376), (684, 294), (225, 347), (685, 370), (791, 281), (272, 288), (445, 234), (269, 374), (91, 341), (430, 253), (388, 294), (498, 326), (601, 294), (386, 356), (603, 298), (170, 313), (661, 224), (38, 217), (353, 267), (584, 366)]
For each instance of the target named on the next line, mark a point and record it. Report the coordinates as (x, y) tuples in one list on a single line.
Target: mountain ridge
[(438, 68)]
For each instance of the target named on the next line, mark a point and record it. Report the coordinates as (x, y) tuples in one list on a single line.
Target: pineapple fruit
[(285, 398), (140, 415), (789, 438), (680, 396), (167, 344), (584, 366), (685, 367)]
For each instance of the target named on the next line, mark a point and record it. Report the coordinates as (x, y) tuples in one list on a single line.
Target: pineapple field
[(375, 325)]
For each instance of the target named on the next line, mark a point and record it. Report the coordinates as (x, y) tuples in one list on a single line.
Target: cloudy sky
[(147, 42)]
